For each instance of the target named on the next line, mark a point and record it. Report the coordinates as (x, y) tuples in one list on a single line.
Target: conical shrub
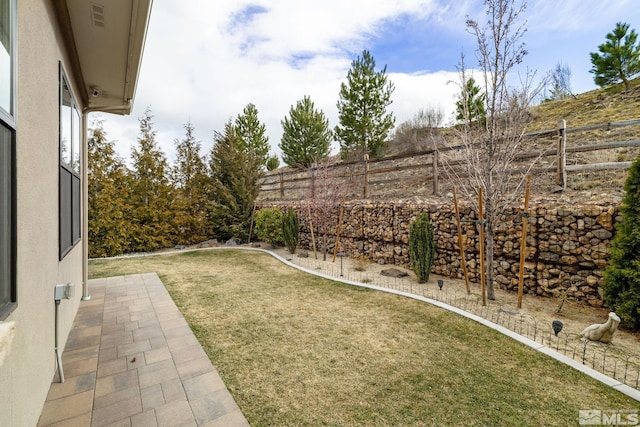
[(291, 230), (421, 247)]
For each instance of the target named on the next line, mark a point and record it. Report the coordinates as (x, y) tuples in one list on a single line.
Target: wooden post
[(313, 240), (366, 175), (436, 160), (561, 179), (483, 285), (461, 243), (281, 186), (523, 243), (335, 247)]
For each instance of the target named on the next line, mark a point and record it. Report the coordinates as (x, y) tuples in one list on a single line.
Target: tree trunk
[(490, 233)]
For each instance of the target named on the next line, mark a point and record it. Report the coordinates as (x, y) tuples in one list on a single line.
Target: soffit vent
[(97, 15)]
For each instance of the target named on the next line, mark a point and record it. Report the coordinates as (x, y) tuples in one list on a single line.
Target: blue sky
[(205, 60)]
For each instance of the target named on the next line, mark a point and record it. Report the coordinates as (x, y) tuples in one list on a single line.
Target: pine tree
[(109, 191), (190, 182), (235, 178), (273, 163), (306, 136), (152, 226), (622, 275), (362, 109), (470, 104), (619, 57), (251, 134)]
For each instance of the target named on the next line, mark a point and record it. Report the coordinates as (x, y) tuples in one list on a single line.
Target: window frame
[(8, 117), (8, 122), (70, 173)]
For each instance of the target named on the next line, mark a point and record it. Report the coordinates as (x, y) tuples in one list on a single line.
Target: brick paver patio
[(132, 360)]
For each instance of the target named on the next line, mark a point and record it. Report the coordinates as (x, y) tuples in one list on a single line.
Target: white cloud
[(206, 60), (417, 91)]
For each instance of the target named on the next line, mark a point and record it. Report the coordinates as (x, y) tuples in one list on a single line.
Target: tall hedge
[(421, 247), (622, 275)]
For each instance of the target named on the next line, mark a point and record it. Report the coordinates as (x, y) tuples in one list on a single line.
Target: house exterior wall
[(30, 365)]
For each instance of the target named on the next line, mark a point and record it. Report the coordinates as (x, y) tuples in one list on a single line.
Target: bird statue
[(602, 332), (557, 326)]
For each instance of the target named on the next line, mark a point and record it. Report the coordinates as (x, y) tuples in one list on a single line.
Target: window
[(7, 158), (6, 50), (70, 188)]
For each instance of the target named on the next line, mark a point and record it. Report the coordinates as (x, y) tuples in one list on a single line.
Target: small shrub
[(361, 263), (421, 247), (291, 230), (273, 163), (269, 226)]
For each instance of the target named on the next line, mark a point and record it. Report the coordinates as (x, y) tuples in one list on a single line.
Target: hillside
[(597, 106), (597, 160)]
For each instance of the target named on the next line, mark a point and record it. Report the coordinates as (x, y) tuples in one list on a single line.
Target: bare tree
[(327, 193), (560, 81), (417, 133), (487, 149)]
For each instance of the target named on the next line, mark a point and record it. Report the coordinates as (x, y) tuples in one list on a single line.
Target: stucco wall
[(567, 247), (29, 368)]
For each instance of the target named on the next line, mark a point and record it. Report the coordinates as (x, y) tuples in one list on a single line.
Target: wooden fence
[(563, 153)]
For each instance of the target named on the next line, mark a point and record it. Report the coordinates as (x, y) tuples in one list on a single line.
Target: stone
[(592, 210), (605, 220), (303, 254), (569, 259), (231, 242), (592, 280), (602, 234), (594, 302), (394, 272)]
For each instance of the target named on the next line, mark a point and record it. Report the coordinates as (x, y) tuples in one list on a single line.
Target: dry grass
[(597, 106), (361, 263), (296, 349)]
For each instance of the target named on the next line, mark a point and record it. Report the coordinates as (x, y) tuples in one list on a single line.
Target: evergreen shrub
[(421, 247)]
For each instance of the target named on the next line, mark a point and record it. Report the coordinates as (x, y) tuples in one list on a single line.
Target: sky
[(205, 60)]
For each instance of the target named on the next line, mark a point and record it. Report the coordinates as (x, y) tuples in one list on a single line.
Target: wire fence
[(607, 359)]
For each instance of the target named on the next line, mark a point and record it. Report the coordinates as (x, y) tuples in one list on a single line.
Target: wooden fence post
[(366, 176), (562, 154), (436, 159)]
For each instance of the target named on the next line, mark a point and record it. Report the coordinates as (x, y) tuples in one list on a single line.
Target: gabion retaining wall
[(567, 247)]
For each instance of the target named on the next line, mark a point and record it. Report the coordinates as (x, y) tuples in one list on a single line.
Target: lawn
[(295, 349)]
